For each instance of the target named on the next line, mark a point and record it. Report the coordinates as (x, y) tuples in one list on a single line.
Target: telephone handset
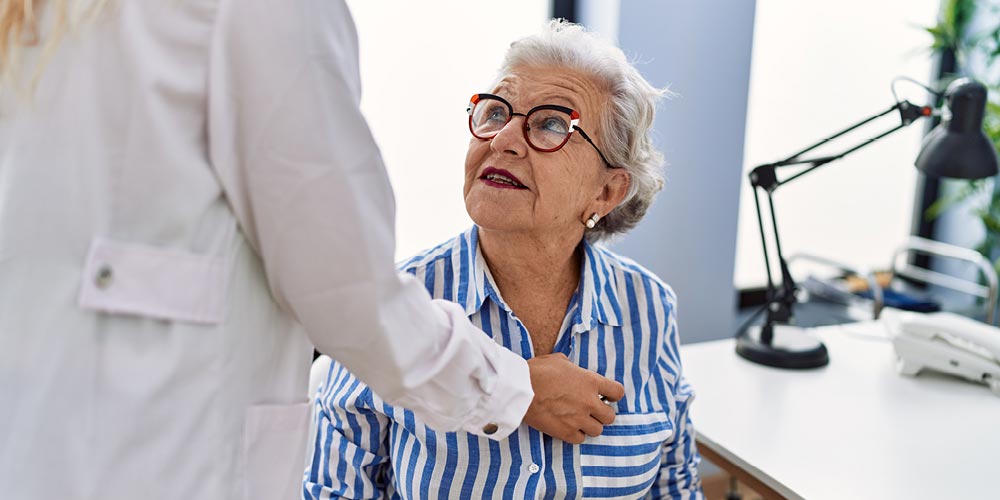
[(946, 342)]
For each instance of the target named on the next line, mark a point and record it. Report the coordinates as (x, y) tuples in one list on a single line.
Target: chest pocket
[(623, 461), (128, 278)]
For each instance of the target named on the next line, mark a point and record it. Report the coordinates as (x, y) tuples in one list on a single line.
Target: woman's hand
[(568, 399)]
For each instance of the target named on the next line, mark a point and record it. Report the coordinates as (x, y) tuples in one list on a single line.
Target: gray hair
[(625, 132)]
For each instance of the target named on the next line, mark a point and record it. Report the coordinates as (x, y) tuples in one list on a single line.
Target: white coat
[(190, 200)]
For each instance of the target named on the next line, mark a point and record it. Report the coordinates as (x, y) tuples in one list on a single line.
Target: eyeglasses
[(546, 128)]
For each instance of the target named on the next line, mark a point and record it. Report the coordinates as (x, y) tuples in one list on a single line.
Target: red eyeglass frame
[(574, 120)]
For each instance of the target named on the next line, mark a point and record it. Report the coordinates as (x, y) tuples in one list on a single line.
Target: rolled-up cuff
[(501, 410)]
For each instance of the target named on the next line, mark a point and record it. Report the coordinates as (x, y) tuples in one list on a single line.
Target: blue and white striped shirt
[(620, 323)]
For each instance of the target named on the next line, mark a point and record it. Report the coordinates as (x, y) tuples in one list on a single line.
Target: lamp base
[(791, 347)]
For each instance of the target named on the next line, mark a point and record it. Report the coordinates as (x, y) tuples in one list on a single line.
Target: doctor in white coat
[(190, 200)]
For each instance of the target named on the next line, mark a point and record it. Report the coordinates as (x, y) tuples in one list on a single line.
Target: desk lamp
[(956, 148)]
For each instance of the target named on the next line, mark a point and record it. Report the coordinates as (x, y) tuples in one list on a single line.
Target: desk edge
[(753, 477)]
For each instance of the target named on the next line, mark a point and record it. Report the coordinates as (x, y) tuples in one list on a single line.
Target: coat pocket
[(274, 451), (161, 283), (623, 461)]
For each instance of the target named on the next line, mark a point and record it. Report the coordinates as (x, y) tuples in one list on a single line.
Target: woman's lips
[(500, 178)]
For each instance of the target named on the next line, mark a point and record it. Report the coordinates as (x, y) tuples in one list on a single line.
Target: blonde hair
[(20, 29)]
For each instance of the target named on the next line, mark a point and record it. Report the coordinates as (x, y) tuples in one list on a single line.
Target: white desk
[(854, 429)]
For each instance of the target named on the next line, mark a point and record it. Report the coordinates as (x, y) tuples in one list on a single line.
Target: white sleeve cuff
[(502, 407)]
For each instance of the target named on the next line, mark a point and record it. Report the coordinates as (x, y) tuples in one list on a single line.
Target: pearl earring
[(592, 221)]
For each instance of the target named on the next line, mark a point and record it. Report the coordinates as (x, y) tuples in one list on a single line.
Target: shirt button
[(104, 277), (533, 468), (490, 429)]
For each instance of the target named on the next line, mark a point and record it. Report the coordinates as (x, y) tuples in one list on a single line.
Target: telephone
[(945, 342)]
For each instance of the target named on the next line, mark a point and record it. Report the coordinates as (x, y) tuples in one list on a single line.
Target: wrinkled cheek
[(487, 204), (477, 209), (471, 167), (466, 188)]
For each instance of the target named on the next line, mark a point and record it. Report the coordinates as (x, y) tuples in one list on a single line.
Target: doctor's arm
[(303, 174)]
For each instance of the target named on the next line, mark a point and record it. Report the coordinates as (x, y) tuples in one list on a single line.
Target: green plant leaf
[(991, 222), (944, 203)]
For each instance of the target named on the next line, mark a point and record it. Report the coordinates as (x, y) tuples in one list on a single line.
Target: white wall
[(689, 236), (600, 16)]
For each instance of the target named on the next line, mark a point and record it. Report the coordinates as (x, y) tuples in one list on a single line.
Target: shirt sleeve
[(677, 478), (305, 179), (350, 455)]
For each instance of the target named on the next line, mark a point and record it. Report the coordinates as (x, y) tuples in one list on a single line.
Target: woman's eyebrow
[(505, 88)]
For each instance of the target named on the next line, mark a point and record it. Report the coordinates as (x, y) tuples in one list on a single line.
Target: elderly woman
[(560, 159)]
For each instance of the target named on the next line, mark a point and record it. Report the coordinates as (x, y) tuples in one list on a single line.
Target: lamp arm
[(780, 302), (908, 113), (819, 162), (765, 176)]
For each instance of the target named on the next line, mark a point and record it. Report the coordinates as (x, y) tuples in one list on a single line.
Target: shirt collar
[(597, 294)]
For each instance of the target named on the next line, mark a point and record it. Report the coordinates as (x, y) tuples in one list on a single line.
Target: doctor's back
[(143, 353)]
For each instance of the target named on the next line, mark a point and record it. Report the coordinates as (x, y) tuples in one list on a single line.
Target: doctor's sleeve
[(305, 179), (350, 456), (677, 478)]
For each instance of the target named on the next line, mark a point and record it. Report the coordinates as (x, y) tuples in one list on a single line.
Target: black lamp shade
[(958, 147)]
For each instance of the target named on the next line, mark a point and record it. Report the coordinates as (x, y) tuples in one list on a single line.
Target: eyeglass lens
[(547, 129)]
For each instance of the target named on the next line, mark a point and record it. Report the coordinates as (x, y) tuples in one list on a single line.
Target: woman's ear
[(616, 185)]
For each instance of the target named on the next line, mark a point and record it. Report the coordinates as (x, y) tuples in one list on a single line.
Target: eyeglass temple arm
[(587, 138)]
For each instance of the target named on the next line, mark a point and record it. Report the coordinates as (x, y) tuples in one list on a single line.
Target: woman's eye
[(555, 125), (496, 113)]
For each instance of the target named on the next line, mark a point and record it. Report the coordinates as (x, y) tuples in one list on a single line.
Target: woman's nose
[(510, 139)]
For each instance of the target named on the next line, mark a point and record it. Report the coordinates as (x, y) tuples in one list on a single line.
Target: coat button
[(490, 429), (104, 277)]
